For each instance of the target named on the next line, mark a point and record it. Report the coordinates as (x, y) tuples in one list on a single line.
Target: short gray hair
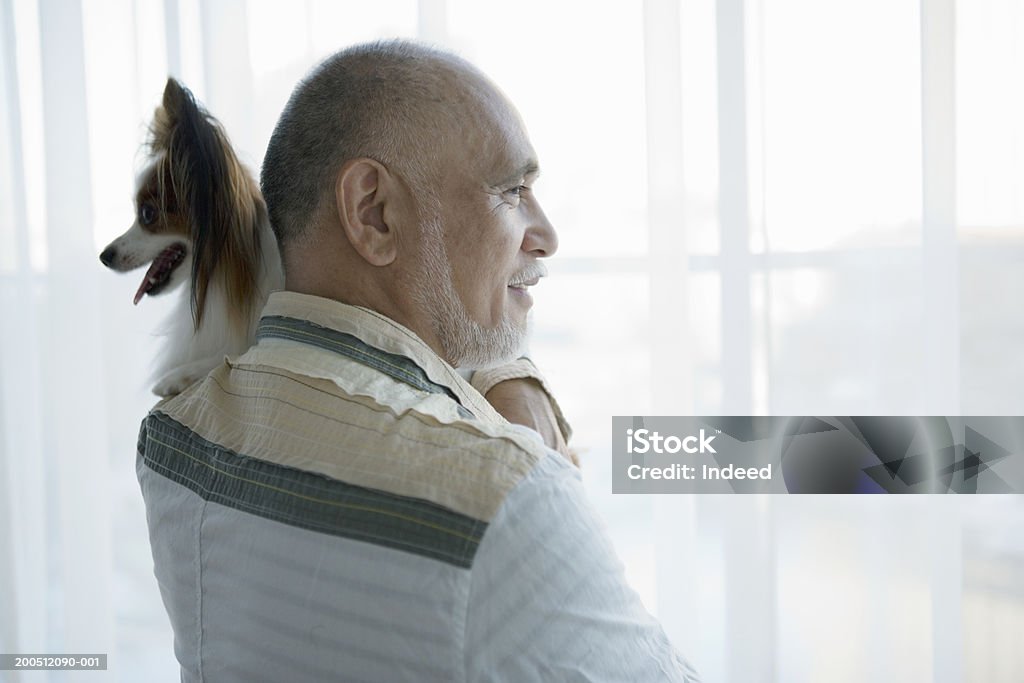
[(383, 100)]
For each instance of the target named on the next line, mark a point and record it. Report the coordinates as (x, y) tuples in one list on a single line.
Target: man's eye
[(517, 191), (147, 214)]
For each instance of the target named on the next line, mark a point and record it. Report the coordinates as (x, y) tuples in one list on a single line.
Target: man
[(338, 503)]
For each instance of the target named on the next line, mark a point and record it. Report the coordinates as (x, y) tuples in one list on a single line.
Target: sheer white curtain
[(765, 207)]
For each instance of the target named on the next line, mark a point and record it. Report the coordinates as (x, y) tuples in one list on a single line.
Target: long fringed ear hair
[(215, 194)]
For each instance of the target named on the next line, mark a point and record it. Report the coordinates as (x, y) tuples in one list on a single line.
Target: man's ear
[(362, 189)]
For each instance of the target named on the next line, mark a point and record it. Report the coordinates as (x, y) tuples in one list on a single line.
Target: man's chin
[(482, 359), (486, 364), (496, 347)]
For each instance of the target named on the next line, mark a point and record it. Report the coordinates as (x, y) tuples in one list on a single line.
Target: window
[(765, 207)]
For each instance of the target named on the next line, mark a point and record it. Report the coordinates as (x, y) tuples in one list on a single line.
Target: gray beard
[(465, 342)]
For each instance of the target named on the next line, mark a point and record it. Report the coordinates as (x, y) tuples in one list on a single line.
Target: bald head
[(399, 179), (397, 102)]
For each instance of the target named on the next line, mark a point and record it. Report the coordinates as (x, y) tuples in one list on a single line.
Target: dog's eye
[(147, 214)]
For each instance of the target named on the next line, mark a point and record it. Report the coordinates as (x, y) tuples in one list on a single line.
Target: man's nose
[(541, 239)]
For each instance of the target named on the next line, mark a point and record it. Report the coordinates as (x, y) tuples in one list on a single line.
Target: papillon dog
[(199, 219)]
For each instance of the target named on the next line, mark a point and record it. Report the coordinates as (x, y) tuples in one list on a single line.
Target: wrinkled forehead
[(490, 136)]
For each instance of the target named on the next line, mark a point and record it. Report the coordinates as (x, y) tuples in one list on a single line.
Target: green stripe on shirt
[(306, 499), (393, 365)]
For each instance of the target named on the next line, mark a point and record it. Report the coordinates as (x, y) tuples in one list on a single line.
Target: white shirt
[(339, 504)]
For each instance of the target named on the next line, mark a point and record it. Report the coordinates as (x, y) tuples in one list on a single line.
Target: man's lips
[(528, 277), (525, 284), (520, 290), (520, 283)]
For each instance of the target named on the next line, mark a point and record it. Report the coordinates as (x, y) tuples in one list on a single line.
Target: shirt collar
[(378, 333)]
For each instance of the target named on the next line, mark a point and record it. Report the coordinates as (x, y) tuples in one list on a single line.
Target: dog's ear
[(177, 105), (218, 199), (174, 92), (178, 101)]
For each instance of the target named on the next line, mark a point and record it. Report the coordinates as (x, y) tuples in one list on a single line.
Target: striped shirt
[(339, 504)]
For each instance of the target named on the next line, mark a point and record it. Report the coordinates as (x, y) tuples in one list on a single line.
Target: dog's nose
[(108, 256)]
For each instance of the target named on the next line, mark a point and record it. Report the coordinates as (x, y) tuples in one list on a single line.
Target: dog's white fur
[(187, 355)]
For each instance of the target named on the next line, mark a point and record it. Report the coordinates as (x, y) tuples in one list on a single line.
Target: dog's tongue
[(145, 286), (158, 270)]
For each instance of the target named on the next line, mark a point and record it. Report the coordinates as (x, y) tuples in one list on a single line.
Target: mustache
[(532, 272)]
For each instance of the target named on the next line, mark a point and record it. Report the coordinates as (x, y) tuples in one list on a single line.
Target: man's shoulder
[(371, 432)]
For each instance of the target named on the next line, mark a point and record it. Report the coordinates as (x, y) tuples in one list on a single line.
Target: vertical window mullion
[(172, 31), (940, 258), (23, 549), (432, 22), (733, 211), (750, 595), (671, 383), (227, 70), (941, 344), (75, 413), (667, 265)]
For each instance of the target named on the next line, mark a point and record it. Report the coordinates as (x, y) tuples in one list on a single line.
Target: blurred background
[(786, 207)]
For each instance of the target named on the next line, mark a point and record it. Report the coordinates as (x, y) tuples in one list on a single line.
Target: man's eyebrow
[(529, 168)]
